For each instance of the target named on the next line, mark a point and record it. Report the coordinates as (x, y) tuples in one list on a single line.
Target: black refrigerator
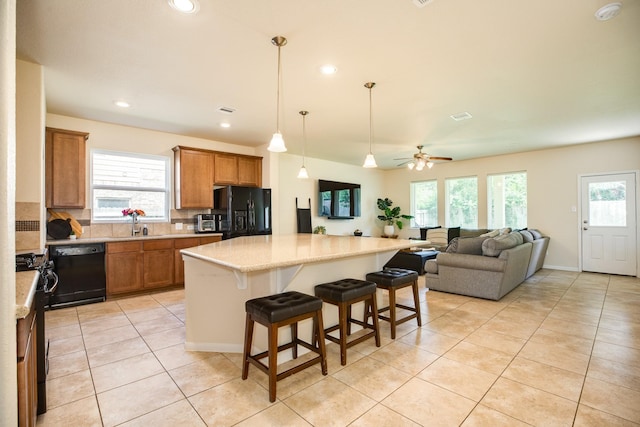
[(242, 211)]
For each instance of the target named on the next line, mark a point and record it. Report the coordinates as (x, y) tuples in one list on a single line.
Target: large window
[(507, 200), (128, 180), (461, 202), (424, 203)]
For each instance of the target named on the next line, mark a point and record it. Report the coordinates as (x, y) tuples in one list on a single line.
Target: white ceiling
[(533, 74)]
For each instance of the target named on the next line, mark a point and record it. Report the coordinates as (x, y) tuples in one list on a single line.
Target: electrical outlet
[(178, 226), (191, 227)]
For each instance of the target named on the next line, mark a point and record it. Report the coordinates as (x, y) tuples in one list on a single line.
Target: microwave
[(206, 223)]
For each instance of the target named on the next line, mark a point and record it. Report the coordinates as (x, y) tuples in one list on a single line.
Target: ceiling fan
[(420, 160)]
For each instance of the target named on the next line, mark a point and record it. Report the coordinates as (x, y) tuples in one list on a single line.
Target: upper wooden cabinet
[(65, 168), (196, 171), (193, 177)]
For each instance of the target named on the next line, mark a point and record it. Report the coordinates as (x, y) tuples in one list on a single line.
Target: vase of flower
[(133, 214)]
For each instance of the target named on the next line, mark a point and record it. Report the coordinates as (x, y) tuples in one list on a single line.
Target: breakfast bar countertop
[(255, 253), (26, 282)]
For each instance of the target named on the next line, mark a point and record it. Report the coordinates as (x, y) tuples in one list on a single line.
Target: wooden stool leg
[(273, 361), (248, 339), (342, 319), (392, 311), (348, 319), (319, 333), (416, 301), (294, 339), (373, 305)]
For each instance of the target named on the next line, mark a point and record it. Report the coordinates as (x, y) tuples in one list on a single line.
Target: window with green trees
[(461, 202), (507, 200), (424, 203)]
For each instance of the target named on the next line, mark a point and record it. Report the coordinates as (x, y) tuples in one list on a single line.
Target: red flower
[(130, 212)]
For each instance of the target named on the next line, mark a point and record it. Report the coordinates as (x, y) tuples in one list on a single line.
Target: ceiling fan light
[(429, 165), (419, 167), (411, 165), (370, 162), (303, 173), (277, 144)]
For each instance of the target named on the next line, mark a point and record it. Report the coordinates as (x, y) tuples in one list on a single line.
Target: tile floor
[(561, 349)]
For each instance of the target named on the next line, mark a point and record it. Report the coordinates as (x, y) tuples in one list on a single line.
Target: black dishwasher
[(81, 273)]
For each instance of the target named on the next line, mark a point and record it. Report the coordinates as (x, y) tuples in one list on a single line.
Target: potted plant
[(320, 229), (391, 216)]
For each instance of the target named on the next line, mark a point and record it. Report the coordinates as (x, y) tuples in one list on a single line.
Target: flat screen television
[(338, 200)]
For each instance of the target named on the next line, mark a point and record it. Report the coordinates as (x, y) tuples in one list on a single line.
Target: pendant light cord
[(278, 95), (370, 121)]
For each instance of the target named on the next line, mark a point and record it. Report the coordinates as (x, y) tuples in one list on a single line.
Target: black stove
[(47, 284)]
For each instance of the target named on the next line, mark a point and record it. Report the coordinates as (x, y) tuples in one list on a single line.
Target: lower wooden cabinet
[(134, 266), (27, 370)]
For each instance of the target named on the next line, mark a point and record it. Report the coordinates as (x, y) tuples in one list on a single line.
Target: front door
[(609, 224)]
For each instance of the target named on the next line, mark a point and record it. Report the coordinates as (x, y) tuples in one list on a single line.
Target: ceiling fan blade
[(403, 163), (439, 158), (403, 158)]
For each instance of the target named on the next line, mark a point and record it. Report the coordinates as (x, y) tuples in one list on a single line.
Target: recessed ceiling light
[(608, 11), (461, 116), (185, 6), (225, 125), (122, 103), (328, 69)]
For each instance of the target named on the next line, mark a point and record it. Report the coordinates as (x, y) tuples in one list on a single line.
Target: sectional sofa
[(487, 266)]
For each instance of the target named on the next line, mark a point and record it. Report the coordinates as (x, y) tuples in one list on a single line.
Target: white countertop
[(128, 238), (255, 253)]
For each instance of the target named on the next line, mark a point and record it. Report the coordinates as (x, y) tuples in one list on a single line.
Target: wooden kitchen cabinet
[(226, 169), (125, 263), (250, 171), (158, 263), (193, 178), (65, 168), (188, 243), (237, 169), (27, 369)]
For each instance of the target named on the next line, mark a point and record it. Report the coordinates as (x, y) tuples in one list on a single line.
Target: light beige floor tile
[(529, 404), (380, 415), (109, 353), (556, 356), (423, 403), (590, 417), (69, 388), (554, 380), (138, 303), (235, 401), (113, 321), (617, 353), (62, 332), (67, 364), (180, 413), (488, 360), (176, 356), (146, 315), (615, 373), (141, 397), (448, 326), (483, 416), (204, 374), (294, 383), (372, 378), (169, 297), (275, 416), (618, 337), (158, 325), (62, 317), (430, 341), (110, 336), (459, 378), (613, 399), (496, 341), (166, 338), (329, 402), (83, 412), (556, 339), (570, 327), (125, 371), (404, 357), (65, 346), (514, 328)]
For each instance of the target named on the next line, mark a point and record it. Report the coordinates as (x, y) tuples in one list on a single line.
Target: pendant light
[(277, 143), (370, 161), (303, 171)]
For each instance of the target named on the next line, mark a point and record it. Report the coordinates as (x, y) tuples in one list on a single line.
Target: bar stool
[(344, 293), (392, 279), (279, 310)]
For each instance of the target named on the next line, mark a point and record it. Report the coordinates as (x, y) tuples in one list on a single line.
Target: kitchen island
[(221, 276)]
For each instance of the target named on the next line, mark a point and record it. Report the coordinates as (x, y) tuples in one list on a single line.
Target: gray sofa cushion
[(495, 245), (469, 245), (536, 234), (431, 266), (526, 235)]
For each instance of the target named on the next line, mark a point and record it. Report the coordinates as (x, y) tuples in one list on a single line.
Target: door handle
[(585, 228)]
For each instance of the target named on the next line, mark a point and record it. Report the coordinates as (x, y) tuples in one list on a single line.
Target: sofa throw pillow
[(505, 230), (493, 233), (453, 246), (437, 236), (453, 233), (527, 236), (471, 245), (535, 233), (495, 245)]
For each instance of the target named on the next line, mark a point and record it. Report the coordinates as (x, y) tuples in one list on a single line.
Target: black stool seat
[(278, 307), (274, 312), (393, 277), (344, 290), (344, 293)]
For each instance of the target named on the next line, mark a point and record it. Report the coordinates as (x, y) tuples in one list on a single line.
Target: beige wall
[(552, 177)]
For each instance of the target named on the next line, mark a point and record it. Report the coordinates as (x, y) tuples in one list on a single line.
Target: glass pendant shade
[(370, 162), (411, 165), (277, 144), (303, 173), (429, 165)]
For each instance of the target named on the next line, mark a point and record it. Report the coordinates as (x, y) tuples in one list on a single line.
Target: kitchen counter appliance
[(82, 274), (47, 284), (243, 211), (208, 223)]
